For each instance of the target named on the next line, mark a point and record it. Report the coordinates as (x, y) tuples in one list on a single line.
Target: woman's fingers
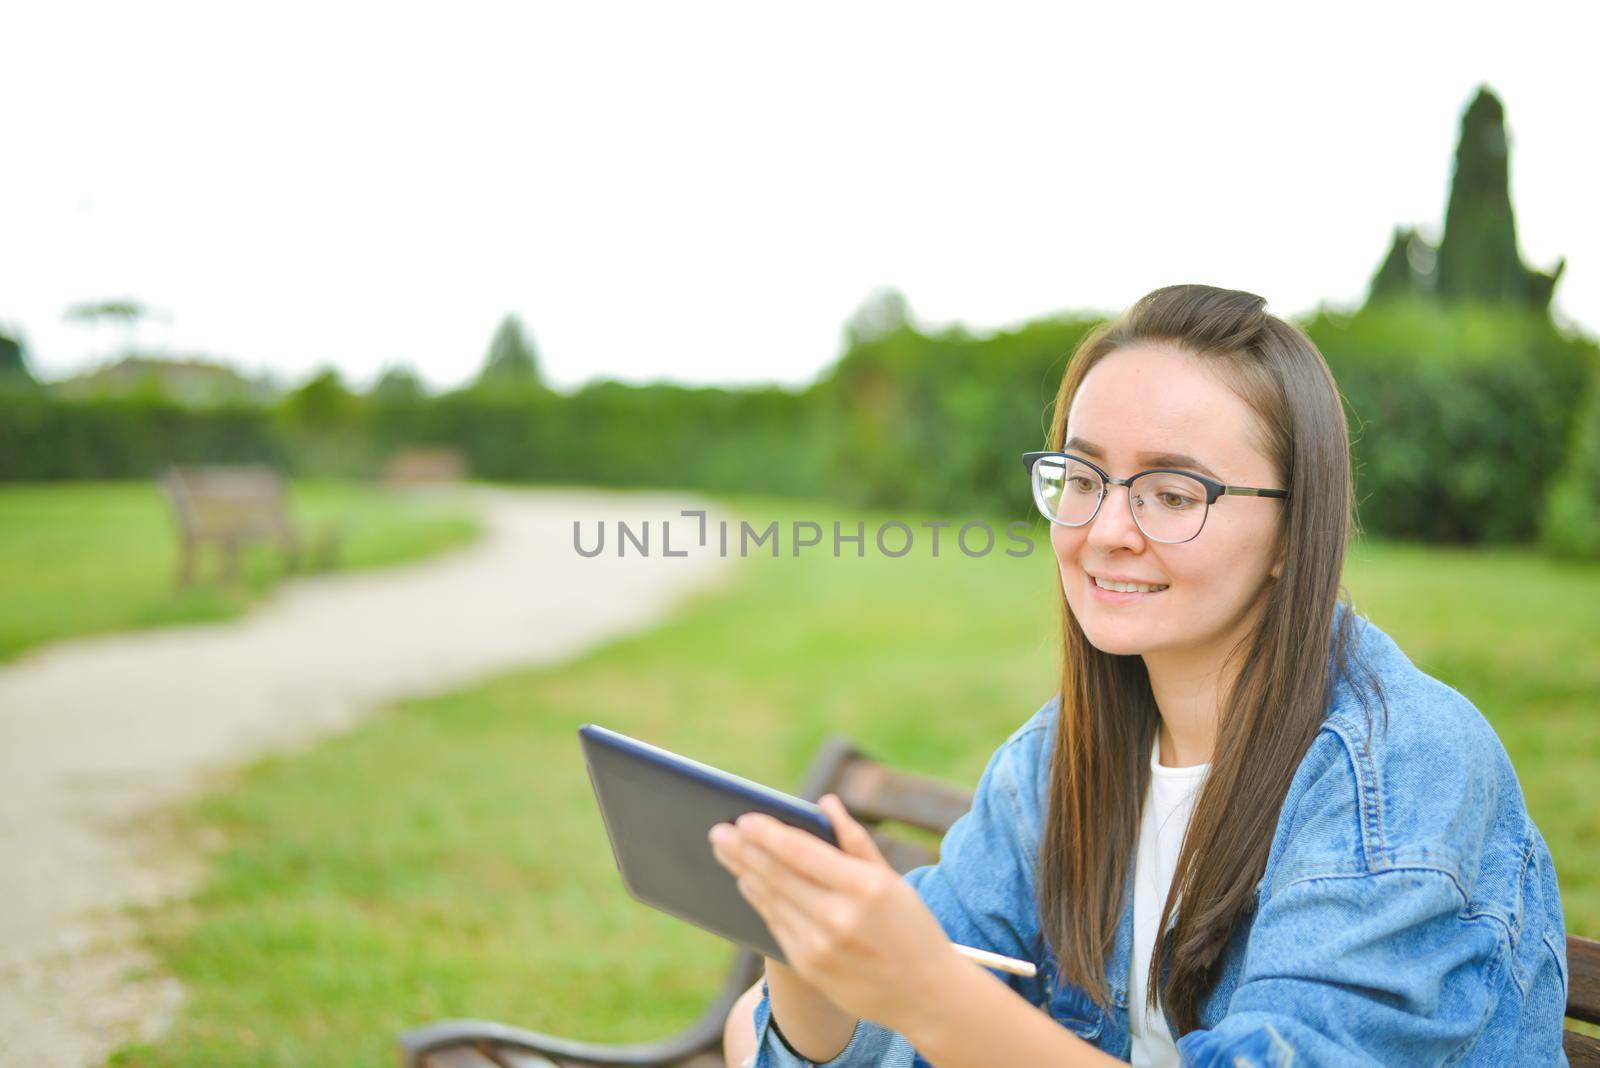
[(785, 897), (725, 848), (781, 879), (854, 839), (802, 851)]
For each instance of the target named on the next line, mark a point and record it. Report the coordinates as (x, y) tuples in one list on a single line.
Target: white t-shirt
[(1165, 817)]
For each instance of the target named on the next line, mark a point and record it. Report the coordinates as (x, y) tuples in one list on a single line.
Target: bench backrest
[(225, 501), (1583, 999), (882, 797), (423, 466)]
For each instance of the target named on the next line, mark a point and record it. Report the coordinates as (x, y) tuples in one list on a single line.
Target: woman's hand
[(849, 924)]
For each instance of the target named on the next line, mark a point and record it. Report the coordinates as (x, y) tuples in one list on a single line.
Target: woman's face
[(1140, 407)]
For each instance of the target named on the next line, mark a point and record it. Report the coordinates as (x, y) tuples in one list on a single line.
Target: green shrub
[(1571, 526), (1460, 415), (42, 437), (939, 423)]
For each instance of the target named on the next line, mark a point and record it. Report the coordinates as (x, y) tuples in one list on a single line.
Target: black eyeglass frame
[(1214, 489)]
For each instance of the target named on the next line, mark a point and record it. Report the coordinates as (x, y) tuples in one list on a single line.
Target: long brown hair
[(1099, 769)]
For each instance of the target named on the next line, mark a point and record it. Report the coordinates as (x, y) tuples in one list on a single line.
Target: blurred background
[(321, 326)]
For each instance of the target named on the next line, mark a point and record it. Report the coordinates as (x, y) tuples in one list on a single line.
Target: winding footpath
[(97, 736)]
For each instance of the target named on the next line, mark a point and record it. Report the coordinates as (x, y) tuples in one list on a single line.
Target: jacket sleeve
[(1351, 962), (981, 891)]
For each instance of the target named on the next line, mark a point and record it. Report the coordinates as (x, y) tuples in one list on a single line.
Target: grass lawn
[(446, 859), (85, 558)]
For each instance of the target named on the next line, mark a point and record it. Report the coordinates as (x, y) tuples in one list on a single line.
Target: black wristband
[(772, 1022)]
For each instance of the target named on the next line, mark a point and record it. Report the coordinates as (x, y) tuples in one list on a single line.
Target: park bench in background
[(424, 467), (877, 796), (233, 507)]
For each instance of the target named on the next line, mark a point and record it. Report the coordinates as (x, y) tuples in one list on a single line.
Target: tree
[(14, 374), (399, 384), (1477, 257), (322, 402), (512, 362), (129, 313), (883, 312), (1408, 269)]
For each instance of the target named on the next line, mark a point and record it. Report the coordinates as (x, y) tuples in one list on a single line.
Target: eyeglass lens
[(1168, 507)]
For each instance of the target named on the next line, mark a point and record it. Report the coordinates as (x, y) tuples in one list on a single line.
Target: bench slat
[(1582, 1051), (1583, 979), (459, 1057), (512, 1058), (873, 793)]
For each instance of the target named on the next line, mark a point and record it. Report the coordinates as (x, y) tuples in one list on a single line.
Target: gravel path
[(97, 735)]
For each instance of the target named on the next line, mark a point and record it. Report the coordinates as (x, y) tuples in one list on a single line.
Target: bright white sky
[(703, 192)]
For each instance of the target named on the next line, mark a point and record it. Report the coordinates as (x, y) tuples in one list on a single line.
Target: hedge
[(1461, 418)]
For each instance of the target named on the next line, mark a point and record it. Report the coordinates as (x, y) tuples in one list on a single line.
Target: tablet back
[(658, 808)]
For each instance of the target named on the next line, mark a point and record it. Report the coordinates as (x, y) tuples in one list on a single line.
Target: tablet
[(658, 809)]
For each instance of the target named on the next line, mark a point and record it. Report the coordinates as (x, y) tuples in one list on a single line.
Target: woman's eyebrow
[(1177, 459), (1154, 459)]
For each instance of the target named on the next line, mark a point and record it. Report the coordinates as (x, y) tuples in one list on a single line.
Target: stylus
[(996, 961)]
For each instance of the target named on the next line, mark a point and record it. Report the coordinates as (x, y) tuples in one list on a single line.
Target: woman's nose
[(1113, 526)]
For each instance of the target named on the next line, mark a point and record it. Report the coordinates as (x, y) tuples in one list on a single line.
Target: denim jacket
[(1408, 913)]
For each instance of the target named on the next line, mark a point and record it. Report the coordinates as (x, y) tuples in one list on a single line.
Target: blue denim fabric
[(1408, 914)]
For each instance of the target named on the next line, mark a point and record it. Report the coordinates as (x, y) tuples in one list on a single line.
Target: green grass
[(446, 859), (87, 558)]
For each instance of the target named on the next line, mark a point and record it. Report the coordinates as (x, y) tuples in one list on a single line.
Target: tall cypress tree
[(1477, 257), (512, 362)]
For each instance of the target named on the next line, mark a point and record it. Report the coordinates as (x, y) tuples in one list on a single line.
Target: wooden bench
[(424, 467), (233, 507), (879, 797)]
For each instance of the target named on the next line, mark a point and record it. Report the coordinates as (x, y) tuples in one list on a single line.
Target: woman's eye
[(1081, 484), (1176, 501)]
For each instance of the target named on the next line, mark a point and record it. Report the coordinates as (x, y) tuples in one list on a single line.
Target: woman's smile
[(1111, 592)]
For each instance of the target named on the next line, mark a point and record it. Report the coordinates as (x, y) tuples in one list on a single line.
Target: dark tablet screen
[(658, 808)]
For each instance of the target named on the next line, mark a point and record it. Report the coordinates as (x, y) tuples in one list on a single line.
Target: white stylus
[(996, 961)]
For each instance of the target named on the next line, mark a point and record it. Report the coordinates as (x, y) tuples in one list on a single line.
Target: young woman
[(1246, 831)]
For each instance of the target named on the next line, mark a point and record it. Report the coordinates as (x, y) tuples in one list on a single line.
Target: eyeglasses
[(1168, 505)]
